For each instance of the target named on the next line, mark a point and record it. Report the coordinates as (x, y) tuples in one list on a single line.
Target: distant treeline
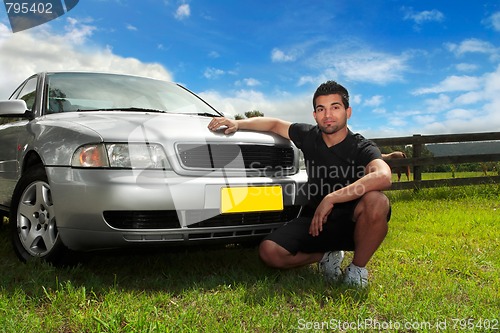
[(464, 148)]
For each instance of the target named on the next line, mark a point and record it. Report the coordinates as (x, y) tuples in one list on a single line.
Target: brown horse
[(402, 169)]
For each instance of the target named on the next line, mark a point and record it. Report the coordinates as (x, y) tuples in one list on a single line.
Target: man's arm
[(377, 178), (260, 124)]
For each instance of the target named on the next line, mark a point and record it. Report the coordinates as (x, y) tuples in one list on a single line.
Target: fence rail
[(416, 162)]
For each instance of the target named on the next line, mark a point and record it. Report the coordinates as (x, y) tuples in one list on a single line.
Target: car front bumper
[(100, 208)]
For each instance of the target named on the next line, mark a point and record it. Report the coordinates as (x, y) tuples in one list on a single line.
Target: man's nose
[(329, 112)]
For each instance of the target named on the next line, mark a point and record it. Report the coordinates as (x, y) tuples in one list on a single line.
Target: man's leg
[(371, 226), (276, 256)]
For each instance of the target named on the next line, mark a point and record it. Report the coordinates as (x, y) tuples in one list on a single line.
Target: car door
[(10, 130)]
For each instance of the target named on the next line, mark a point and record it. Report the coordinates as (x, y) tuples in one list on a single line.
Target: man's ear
[(349, 112), (314, 114)]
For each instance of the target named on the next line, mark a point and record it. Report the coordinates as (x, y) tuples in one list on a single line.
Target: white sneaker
[(330, 265), (356, 276)]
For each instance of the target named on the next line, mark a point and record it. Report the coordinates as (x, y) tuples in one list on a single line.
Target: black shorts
[(337, 234)]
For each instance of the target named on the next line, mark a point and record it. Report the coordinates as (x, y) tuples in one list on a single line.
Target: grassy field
[(437, 271)]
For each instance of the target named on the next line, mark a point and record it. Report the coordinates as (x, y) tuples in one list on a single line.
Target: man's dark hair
[(330, 88)]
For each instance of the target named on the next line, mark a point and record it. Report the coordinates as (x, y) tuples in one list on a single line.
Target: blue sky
[(426, 67)]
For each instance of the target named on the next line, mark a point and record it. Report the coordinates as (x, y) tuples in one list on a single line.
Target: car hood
[(113, 126), (58, 136)]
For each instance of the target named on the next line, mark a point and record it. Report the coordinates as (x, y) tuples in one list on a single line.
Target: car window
[(69, 92), (16, 92), (28, 93)]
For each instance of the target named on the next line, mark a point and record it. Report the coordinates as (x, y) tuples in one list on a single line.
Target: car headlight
[(302, 161), (121, 155), (90, 156)]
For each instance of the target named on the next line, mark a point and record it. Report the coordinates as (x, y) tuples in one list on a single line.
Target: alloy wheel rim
[(36, 223)]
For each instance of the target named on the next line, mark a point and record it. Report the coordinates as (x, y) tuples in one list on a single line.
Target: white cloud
[(214, 55), (182, 12), (374, 100), (360, 66), (41, 49), (435, 105), (452, 83), (424, 16), (470, 97), (492, 84), (355, 99), (77, 31), (379, 111), (481, 116), (371, 67), (464, 67), (250, 82), (294, 109), (493, 21), (398, 122), (459, 114), (278, 55), (472, 45), (441, 114), (316, 80), (307, 79), (213, 73), (5, 32), (131, 27), (424, 119)]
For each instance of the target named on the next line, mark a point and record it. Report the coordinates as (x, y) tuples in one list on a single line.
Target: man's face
[(330, 113)]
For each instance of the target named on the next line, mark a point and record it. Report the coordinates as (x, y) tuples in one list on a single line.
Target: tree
[(249, 114), (254, 113)]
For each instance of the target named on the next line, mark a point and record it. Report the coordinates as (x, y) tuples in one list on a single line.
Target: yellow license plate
[(251, 199)]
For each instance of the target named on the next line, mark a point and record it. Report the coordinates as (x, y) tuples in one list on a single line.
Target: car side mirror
[(15, 108)]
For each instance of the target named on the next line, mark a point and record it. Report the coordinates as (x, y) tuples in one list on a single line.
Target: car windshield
[(71, 92)]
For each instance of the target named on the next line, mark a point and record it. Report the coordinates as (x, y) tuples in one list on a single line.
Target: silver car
[(93, 161)]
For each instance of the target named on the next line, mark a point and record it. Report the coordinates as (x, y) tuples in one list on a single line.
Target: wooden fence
[(416, 162)]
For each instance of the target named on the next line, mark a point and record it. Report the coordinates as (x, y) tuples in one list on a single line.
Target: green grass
[(439, 265)]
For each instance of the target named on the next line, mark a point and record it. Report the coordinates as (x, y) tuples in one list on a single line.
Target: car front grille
[(239, 219), (156, 219), (168, 219), (234, 156)]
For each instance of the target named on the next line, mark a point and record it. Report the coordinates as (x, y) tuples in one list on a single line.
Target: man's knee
[(374, 206), (271, 253)]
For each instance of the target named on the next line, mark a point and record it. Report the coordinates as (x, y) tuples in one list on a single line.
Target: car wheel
[(33, 220)]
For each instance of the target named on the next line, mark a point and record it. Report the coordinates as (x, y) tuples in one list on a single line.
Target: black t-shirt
[(331, 168)]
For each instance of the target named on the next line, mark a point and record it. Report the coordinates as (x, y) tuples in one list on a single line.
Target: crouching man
[(346, 174)]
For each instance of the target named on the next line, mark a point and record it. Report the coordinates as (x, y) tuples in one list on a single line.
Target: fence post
[(417, 152)]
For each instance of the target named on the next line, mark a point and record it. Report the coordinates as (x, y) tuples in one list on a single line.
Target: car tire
[(33, 222)]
